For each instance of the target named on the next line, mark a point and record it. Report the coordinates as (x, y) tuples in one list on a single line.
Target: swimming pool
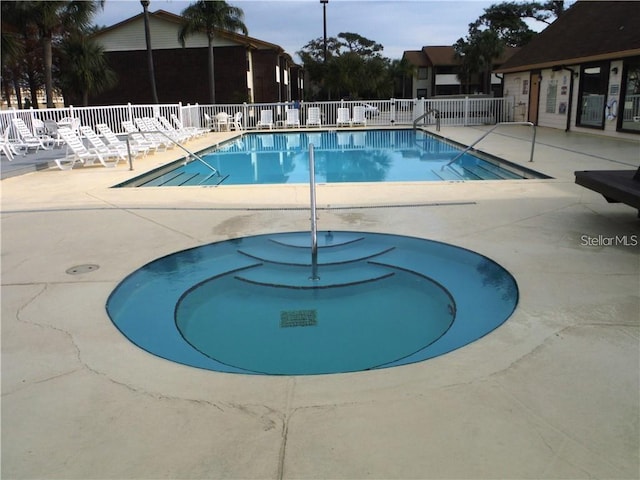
[(256, 305), (340, 156)]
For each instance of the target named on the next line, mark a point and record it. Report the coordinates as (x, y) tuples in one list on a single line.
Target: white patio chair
[(81, 154), (27, 138), (292, 118), (71, 123), (359, 117), (51, 129), (266, 119), (101, 147), (222, 121), (313, 117), (208, 121), (343, 117), (113, 140), (237, 122)]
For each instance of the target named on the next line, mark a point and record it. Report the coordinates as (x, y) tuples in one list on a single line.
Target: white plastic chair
[(266, 119), (113, 140), (222, 121), (81, 154), (359, 117), (237, 122), (343, 117), (101, 147), (27, 138), (5, 145), (313, 117), (292, 118), (139, 139)]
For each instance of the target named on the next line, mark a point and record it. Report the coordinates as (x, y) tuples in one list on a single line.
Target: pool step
[(328, 254), (447, 173), (306, 278)]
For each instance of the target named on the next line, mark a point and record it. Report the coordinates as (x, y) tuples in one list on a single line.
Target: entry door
[(534, 96)]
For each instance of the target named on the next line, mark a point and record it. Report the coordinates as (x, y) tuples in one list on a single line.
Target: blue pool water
[(262, 305), (340, 156)]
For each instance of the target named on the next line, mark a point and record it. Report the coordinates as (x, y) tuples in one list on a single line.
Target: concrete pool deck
[(552, 393)]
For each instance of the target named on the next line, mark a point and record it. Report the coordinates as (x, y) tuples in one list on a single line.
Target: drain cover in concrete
[(82, 269)]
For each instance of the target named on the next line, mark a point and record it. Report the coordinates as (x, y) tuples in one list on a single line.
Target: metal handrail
[(429, 112), (215, 171), (533, 140), (314, 219)]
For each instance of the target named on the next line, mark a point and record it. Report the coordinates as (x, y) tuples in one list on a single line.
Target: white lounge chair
[(196, 132), (266, 119), (27, 138), (139, 139), (80, 153), (5, 145), (343, 117), (359, 117), (313, 117), (292, 118), (113, 140), (99, 146), (164, 125), (150, 131)]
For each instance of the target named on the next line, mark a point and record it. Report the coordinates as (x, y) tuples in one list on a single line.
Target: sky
[(398, 25)]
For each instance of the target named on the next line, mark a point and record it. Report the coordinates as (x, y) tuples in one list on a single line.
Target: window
[(629, 108), (421, 93), (422, 73), (593, 91)]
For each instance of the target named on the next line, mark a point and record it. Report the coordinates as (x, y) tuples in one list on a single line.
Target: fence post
[(393, 111), (465, 121)]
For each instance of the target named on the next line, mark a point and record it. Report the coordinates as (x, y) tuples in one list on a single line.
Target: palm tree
[(147, 36), (211, 15), (55, 17), (85, 70)]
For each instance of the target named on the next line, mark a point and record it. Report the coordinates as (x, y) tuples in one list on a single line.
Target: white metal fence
[(399, 112)]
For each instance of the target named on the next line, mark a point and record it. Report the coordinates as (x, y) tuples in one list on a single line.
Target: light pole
[(324, 23)]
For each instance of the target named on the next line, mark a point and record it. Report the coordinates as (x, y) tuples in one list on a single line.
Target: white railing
[(383, 113)]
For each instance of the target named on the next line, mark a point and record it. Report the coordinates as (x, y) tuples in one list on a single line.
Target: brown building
[(246, 69), (582, 72), (436, 73)]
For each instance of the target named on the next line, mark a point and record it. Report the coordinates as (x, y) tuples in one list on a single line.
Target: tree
[(147, 37), (401, 70), (502, 25), (354, 66), (209, 16), (478, 54), (84, 69), (54, 18)]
